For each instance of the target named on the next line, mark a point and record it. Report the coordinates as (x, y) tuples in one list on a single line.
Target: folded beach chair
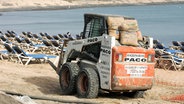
[(158, 45), (23, 56), (165, 62), (49, 48), (32, 37), (65, 35), (182, 43), (156, 41), (182, 48), (42, 34), (24, 34), (49, 37), (56, 37), (11, 33), (29, 35), (70, 37), (176, 45), (38, 38), (3, 39), (1, 33), (7, 35), (78, 36), (19, 41), (178, 62), (171, 59), (3, 53), (159, 49), (47, 43), (61, 36), (33, 47), (10, 52), (158, 53), (9, 49), (58, 47), (56, 44)]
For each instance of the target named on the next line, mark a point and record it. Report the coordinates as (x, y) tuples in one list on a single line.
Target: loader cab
[(94, 26)]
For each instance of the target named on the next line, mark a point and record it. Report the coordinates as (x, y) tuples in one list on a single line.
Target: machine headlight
[(119, 57), (151, 58)]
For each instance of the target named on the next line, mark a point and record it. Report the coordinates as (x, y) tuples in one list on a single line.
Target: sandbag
[(114, 33), (113, 24), (129, 25), (139, 35), (128, 38)]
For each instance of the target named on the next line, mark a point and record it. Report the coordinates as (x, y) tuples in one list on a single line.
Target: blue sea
[(162, 22)]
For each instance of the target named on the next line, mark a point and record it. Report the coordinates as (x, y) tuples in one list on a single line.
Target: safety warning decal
[(135, 70)]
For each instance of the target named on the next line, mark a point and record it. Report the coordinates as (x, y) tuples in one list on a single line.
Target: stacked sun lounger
[(171, 58), (42, 45)]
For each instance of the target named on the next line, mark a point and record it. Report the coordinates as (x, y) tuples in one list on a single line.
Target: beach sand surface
[(38, 79)]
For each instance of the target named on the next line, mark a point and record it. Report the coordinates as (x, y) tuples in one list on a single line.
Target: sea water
[(162, 22)]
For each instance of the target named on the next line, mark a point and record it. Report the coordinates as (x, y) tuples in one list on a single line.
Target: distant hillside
[(8, 5)]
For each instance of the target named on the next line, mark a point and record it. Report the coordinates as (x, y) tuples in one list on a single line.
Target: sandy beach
[(14, 5), (41, 80), (40, 83)]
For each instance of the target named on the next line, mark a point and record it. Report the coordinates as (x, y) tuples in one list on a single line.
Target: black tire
[(67, 78), (87, 83), (134, 94)]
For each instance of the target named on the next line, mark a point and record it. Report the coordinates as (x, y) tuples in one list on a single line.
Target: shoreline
[(65, 7)]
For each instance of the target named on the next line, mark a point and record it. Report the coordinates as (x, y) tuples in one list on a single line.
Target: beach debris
[(25, 99)]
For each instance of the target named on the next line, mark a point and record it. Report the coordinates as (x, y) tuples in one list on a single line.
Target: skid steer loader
[(112, 56)]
